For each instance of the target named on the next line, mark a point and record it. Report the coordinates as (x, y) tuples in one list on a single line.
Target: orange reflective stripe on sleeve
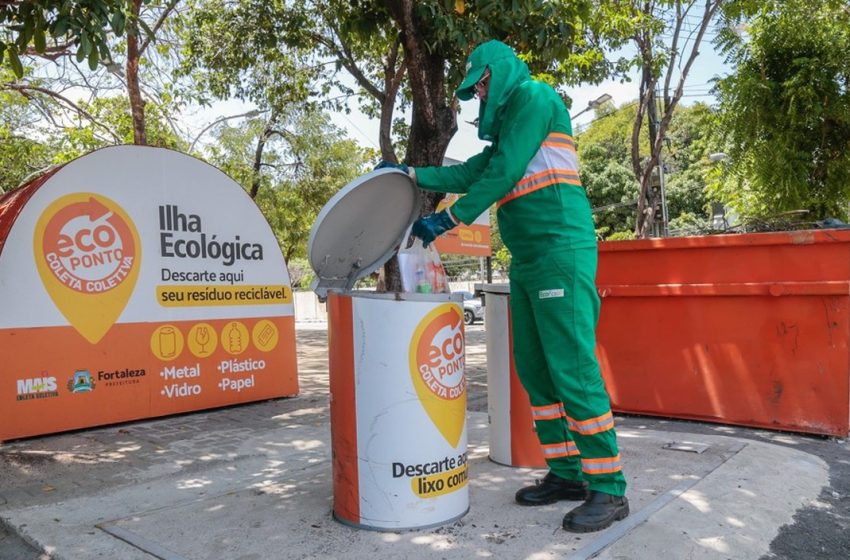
[(548, 412), (592, 426), (602, 465), (563, 449), (560, 140)]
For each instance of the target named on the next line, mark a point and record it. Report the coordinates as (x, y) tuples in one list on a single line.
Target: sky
[(465, 143)]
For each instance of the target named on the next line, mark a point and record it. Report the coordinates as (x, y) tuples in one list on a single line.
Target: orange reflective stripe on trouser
[(548, 412), (601, 465), (562, 449), (592, 426)]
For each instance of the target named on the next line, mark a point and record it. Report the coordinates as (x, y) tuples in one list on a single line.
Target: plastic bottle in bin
[(423, 282)]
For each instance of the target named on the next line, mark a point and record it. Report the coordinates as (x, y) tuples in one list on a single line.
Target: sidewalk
[(254, 482)]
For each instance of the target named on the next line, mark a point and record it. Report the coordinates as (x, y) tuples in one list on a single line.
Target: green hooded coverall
[(531, 172)]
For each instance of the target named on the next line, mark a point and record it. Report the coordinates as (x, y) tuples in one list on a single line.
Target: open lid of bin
[(360, 228)]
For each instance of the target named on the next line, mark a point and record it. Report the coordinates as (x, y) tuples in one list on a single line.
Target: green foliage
[(606, 172), (27, 146), (461, 267), (299, 47), (786, 110), (687, 223), (43, 25), (562, 42), (604, 153), (237, 49), (691, 138), (114, 112), (21, 156), (501, 257), (621, 236), (301, 274)]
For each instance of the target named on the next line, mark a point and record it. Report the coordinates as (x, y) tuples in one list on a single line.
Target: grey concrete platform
[(254, 482)]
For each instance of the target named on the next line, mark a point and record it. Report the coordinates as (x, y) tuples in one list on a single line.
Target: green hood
[(507, 71)]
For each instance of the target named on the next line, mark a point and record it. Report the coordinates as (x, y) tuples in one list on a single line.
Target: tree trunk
[(649, 197), (137, 104), (434, 119), (393, 75)]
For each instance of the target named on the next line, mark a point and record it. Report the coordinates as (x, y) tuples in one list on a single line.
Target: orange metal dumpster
[(739, 329)]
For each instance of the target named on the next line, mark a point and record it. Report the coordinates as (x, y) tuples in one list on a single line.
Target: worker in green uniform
[(530, 171)]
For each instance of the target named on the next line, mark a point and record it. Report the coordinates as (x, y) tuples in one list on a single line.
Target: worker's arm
[(527, 121), (453, 178)]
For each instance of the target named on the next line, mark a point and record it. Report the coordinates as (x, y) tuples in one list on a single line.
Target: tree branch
[(159, 22), (711, 7), (674, 51), (258, 155), (50, 53), (25, 89), (646, 213), (344, 57), (251, 113)]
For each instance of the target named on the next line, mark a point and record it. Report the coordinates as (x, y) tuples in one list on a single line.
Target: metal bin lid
[(360, 228)]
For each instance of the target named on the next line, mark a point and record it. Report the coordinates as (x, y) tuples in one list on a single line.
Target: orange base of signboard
[(65, 383), (738, 329)]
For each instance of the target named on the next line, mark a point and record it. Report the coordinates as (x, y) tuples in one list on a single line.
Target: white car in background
[(473, 308)]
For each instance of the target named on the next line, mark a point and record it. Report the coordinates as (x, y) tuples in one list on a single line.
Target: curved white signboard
[(137, 282)]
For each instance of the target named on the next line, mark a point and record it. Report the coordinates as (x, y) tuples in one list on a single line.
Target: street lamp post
[(719, 211), (596, 103)]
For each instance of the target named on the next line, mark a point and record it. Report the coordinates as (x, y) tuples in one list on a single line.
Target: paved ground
[(213, 484)]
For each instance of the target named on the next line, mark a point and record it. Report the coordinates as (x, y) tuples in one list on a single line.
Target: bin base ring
[(397, 529)]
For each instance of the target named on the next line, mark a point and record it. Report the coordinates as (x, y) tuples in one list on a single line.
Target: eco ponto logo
[(437, 368), (87, 253), (88, 246)]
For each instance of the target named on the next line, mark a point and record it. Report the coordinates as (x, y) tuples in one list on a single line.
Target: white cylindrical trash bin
[(513, 439), (397, 369)]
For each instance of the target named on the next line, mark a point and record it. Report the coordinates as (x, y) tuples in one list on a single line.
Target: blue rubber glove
[(432, 226), (391, 165)]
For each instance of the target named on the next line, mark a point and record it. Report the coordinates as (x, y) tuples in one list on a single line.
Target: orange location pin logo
[(87, 252), (437, 366)]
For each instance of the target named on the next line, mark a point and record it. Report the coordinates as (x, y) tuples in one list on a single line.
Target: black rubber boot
[(550, 490), (597, 512)]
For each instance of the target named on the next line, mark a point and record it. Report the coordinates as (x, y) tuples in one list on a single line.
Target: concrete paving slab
[(272, 498), (253, 481), (733, 512)]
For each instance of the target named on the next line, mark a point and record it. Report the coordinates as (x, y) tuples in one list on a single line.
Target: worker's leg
[(564, 479), (558, 447), (565, 306)]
